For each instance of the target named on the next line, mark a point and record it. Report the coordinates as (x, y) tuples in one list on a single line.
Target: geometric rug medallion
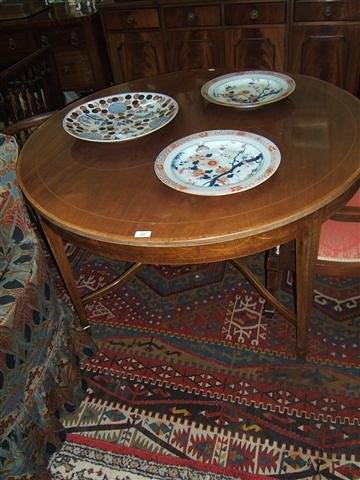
[(193, 381)]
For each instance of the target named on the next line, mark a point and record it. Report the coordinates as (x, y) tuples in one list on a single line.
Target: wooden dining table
[(99, 195)]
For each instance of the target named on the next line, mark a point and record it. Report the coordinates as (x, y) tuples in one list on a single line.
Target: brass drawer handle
[(328, 11), (254, 14), (67, 70), (74, 39), (44, 42), (191, 17), (130, 19), (12, 44)]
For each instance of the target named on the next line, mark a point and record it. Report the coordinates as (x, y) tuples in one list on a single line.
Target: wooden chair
[(29, 87), (339, 249)]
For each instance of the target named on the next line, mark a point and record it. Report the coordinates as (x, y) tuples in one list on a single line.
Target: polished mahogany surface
[(99, 195), (107, 192)]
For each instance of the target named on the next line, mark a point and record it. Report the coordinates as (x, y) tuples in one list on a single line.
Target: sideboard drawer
[(336, 10), (16, 42), (61, 37), (192, 16), (131, 19), (255, 13)]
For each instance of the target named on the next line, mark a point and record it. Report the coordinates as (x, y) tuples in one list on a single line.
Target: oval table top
[(107, 192)]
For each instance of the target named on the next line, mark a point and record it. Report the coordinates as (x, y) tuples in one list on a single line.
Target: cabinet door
[(136, 55), (256, 48), (329, 52), (190, 49)]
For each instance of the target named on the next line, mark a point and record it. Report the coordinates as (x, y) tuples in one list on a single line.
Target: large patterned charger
[(120, 117), (249, 89), (217, 162)]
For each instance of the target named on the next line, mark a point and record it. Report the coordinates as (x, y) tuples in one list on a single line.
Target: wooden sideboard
[(320, 38), (325, 41), (77, 40), (129, 39)]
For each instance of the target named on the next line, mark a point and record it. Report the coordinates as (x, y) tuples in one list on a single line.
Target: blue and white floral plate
[(120, 117), (217, 162), (249, 89)]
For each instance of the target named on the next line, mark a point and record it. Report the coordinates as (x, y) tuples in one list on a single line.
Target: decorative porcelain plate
[(217, 162), (120, 117), (249, 89)]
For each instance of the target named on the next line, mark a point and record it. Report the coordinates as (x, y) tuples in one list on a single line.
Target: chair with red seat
[(339, 248)]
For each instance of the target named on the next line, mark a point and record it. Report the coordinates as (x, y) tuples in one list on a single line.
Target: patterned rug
[(193, 381)]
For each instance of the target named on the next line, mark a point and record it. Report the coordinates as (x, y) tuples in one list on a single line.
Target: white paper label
[(142, 234)]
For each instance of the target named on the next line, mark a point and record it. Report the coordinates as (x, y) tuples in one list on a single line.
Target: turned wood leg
[(57, 247), (306, 254)]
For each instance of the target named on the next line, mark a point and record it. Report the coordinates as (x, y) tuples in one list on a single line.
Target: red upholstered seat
[(355, 200), (338, 253), (340, 241)]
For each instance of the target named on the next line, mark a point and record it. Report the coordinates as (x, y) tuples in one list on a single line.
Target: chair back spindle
[(29, 87)]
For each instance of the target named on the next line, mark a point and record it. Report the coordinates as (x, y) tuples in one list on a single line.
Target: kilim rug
[(193, 381)]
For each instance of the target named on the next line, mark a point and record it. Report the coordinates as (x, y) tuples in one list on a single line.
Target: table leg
[(307, 246), (57, 247)]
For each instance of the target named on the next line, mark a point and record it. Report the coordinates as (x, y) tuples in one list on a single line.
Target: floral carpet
[(193, 381)]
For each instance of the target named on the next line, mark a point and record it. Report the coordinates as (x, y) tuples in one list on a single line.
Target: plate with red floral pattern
[(249, 89), (217, 162)]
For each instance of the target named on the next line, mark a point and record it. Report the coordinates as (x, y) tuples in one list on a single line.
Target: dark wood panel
[(12, 43), (66, 37), (255, 13), (192, 16), (15, 10), (310, 10), (329, 53), (136, 55), (129, 19), (256, 48), (74, 69), (191, 49)]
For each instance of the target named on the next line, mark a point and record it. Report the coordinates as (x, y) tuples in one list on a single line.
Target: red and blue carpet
[(193, 381)]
